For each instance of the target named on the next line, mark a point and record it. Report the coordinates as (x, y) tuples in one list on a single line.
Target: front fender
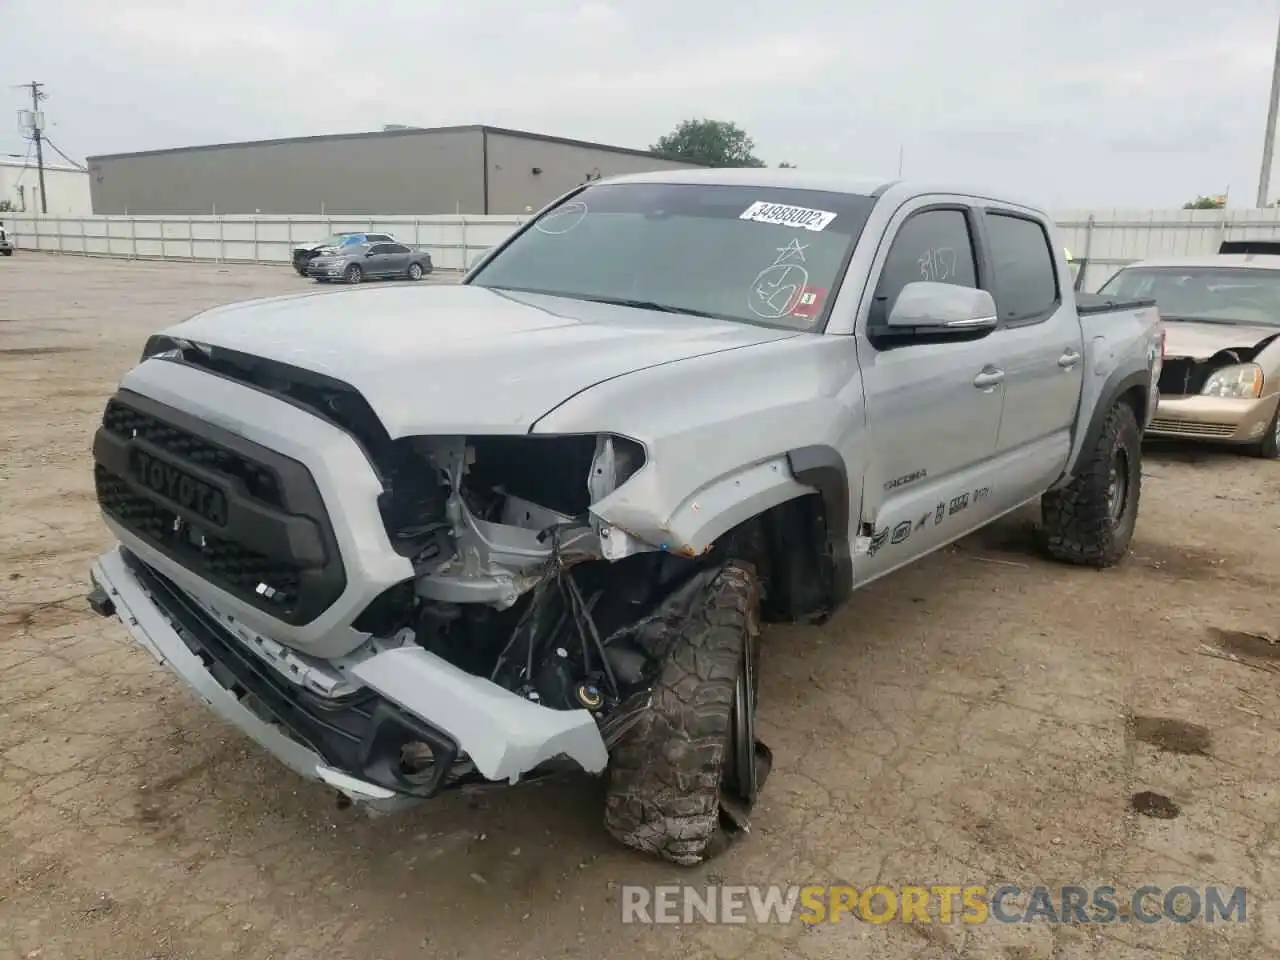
[(720, 433), (715, 509)]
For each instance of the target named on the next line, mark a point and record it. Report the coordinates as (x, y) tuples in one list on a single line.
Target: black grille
[(221, 561), (1183, 376), (129, 424), (245, 518)]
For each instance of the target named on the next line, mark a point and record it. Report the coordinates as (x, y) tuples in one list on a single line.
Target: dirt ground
[(985, 716)]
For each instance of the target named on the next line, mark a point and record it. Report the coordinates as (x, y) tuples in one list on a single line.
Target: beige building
[(442, 170)]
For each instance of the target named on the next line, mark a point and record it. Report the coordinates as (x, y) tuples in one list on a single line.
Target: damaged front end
[(1217, 393), (515, 581), (514, 650)]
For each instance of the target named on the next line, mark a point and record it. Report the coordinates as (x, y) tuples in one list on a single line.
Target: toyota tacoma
[(410, 539)]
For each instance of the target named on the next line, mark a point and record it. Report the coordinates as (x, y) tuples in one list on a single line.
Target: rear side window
[(934, 245), (1024, 280), (396, 248), (378, 236)]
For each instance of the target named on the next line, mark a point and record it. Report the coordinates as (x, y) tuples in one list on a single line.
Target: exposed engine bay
[(511, 582)]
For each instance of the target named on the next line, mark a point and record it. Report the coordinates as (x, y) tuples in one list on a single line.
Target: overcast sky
[(1075, 103)]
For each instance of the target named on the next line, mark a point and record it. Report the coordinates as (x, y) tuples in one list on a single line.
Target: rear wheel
[(693, 752), (1269, 446), (353, 274), (415, 271), (1090, 522)]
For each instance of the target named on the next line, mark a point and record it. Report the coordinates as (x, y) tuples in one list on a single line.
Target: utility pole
[(1269, 140), (36, 96)]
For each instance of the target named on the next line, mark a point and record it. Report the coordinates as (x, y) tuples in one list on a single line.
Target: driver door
[(933, 408), (377, 260)]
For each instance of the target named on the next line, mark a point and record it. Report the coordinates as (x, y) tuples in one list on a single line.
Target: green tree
[(1205, 203), (714, 143)]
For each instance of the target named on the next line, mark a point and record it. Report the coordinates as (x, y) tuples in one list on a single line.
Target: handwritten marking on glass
[(562, 219), (938, 264), (794, 250), (776, 290)]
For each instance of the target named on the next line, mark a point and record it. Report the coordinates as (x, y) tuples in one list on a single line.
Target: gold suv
[(1221, 377)]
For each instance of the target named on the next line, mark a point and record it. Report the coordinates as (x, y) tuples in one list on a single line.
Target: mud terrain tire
[(666, 772), (1083, 524)]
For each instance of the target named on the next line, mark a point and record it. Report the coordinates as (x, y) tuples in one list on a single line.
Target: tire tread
[(665, 774)]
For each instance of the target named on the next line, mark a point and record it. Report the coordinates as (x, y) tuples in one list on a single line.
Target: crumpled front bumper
[(406, 691)]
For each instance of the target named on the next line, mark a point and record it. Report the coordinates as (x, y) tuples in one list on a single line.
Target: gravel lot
[(982, 717)]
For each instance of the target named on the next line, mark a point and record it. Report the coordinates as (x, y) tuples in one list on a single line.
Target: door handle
[(1069, 359), (989, 377)]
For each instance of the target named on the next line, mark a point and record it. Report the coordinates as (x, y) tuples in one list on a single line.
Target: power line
[(58, 150)]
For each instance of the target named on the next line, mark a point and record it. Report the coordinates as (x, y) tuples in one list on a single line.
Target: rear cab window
[(771, 256), (1024, 275)]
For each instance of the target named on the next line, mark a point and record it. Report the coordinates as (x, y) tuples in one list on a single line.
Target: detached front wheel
[(693, 753), (1091, 521)]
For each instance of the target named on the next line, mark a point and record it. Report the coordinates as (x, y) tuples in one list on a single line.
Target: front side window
[(1024, 277), (1209, 294), (752, 254), (934, 245)]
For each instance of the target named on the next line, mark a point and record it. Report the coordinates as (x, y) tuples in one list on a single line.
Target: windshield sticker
[(808, 303), (787, 216), (563, 219)]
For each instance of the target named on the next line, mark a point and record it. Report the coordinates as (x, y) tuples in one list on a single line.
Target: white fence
[(454, 242), (1106, 239)]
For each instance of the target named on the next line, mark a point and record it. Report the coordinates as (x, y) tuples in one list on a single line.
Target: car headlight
[(1242, 382)]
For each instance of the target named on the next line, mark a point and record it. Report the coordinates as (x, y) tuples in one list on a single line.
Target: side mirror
[(368, 253), (928, 309)]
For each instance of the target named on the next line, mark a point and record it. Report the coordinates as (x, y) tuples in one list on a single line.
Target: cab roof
[(834, 182)]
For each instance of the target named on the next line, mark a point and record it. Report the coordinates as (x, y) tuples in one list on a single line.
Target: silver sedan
[(370, 261)]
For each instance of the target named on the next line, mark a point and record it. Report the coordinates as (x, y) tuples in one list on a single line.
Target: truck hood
[(461, 359), (1199, 341)]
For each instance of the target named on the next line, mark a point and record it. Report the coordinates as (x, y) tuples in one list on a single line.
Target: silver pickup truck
[(409, 539)]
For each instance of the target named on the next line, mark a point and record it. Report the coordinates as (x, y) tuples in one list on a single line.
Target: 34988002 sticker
[(788, 216)]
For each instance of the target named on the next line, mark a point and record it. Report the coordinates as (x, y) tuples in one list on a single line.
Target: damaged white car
[(410, 539)]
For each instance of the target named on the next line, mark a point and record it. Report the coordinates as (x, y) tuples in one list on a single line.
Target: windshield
[(1223, 294), (751, 254)]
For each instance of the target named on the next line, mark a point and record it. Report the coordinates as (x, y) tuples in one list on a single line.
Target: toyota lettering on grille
[(178, 486)]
